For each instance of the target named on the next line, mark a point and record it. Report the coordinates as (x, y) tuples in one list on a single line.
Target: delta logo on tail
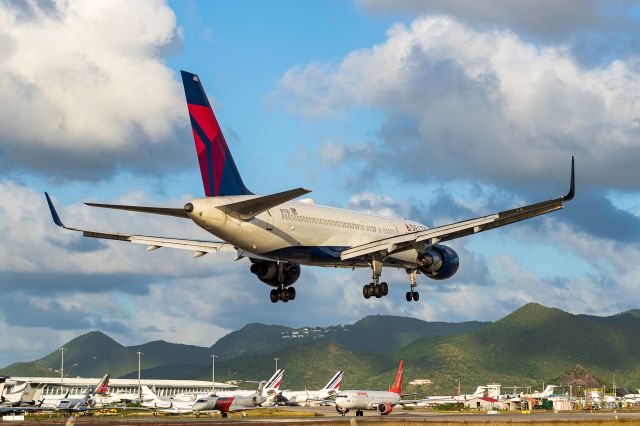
[(220, 175)]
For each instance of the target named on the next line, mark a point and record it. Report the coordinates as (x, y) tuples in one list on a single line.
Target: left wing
[(199, 248), (423, 239)]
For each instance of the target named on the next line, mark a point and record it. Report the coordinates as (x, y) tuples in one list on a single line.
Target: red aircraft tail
[(397, 385)]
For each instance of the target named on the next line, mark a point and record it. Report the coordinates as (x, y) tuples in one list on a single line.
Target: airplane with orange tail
[(381, 401)]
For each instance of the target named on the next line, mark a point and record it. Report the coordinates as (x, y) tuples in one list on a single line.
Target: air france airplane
[(279, 235)]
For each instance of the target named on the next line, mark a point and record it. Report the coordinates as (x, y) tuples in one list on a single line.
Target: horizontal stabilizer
[(178, 212), (248, 209)]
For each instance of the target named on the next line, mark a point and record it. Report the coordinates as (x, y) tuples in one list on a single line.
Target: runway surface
[(327, 415)]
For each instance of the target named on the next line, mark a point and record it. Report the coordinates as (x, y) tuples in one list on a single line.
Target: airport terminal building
[(32, 388)]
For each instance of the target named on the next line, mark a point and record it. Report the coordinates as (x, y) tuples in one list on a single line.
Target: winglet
[(572, 186), (54, 213)]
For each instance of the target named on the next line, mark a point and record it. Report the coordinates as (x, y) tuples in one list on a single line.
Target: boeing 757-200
[(279, 235)]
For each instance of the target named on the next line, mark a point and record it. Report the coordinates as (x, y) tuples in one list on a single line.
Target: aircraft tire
[(224, 415), (377, 291), (359, 413), (365, 292), (273, 296), (385, 288), (285, 295), (292, 293), (409, 296), (416, 296)]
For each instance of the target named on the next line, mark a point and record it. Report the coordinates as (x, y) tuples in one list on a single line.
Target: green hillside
[(392, 332), (94, 353), (529, 346)]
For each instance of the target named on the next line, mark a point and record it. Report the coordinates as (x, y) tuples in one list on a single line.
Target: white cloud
[(87, 87), (481, 105)]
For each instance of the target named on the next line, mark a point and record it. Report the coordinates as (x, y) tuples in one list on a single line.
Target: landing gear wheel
[(365, 292), (385, 288), (409, 296), (292, 293), (416, 296), (285, 295), (378, 291), (273, 296), (224, 415), (359, 413)]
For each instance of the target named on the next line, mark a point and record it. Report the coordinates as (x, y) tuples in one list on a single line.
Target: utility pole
[(62, 365), (213, 374), (276, 359), (139, 387)]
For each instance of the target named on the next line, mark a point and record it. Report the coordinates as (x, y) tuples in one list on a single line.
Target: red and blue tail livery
[(220, 175)]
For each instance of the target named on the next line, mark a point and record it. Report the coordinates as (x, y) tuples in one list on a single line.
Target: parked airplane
[(547, 392), (302, 397), (382, 401), (168, 405), (270, 388), (231, 404), (452, 399), (279, 235), (87, 402)]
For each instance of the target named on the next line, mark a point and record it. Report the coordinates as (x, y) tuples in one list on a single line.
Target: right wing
[(399, 243), (199, 248)]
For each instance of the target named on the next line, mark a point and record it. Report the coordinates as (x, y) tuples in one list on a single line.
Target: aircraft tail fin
[(220, 175), (397, 385), (273, 384), (103, 385), (479, 391), (335, 382), (148, 394)]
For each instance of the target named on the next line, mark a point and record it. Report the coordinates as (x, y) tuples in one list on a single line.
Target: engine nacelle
[(438, 262), (384, 408), (267, 272)]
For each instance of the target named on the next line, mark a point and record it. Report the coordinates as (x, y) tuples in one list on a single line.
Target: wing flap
[(248, 209)]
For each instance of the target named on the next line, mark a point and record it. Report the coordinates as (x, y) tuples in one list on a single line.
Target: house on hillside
[(484, 403)]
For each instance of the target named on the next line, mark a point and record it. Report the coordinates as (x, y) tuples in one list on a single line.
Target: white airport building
[(29, 389)]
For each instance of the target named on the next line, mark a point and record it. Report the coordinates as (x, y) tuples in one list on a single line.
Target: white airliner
[(451, 399), (169, 405), (304, 397), (381, 401), (279, 235)]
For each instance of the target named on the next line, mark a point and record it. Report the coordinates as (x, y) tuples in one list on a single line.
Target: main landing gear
[(378, 289), (412, 294), (283, 293), (375, 288)]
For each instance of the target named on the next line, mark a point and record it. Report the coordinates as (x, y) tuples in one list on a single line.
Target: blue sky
[(432, 110)]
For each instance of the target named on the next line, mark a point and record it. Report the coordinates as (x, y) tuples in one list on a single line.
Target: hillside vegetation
[(529, 346)]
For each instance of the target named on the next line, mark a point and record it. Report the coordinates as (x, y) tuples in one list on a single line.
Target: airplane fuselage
[(301, 232), (365, 400)]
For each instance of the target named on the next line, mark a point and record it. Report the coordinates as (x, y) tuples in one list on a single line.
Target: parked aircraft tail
[(479, 392), (273, 384), (103, 386), (220, 175), (397, 385), (335, 382), (148, 394)]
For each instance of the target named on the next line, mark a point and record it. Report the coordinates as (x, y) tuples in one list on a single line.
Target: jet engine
[(438, 262), (384, 408), (267, 272)]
